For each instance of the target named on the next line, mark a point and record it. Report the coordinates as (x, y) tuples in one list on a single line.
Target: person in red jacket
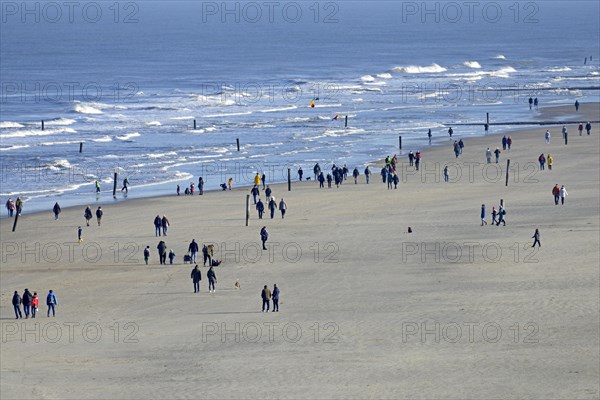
[(35, 302), (556, 194)]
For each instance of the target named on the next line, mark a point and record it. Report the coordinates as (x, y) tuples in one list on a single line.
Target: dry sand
[(374, 313)]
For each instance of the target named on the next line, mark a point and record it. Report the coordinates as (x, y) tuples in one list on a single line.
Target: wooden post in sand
[(507, 166), (289, 179), (247, 209), (487, 118), (400, 142), (194, 124), (346, 122), (238, 143), (16, 219), (115, 184), (81, 147), (42, 124)]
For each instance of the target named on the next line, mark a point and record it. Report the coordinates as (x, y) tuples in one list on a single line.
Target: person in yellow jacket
[(257, 180), (549, 160)]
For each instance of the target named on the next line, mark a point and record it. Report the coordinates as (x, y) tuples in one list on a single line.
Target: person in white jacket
[(563, 194)]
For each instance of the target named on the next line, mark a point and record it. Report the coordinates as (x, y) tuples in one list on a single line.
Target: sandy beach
[(453, 310)]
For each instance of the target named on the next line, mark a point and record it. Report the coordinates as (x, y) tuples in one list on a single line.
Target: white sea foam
[(472, 64), (127, 136), (153, 123), (385, 75), (227, 114), (83, 109), (268, 110), (415, 69), (60, 122), (59, 143), (161, 155), (503, 72), (15, 147), (215, 100), (102, 139), (367, 78), (36, 132), (499, 57), (10, 124)]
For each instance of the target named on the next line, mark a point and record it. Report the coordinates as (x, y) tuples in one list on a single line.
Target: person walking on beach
[(35, 303), (79, 234), (588, 128), (200, 186), (27, 297), (16, 302), (565, 134), (450, 132), (97, 187), (483, 221), (88, 215), (488, 155), (411, 158), (542, 161), (536, 238), (147, 254), (461, 145), (192, 188), (255, 193), (535, 102), (429, 135), (56, 209), (178, 190), (125, 185), (51, 302), (264, 180), (317, 170), (212, 279), (355, 174), (266, 299), (417, 160), (446, 177), (99, 214), (264, 236), (396, 180), (257, 180), (300, 173), (19, 206), (10, 207), (322, 181), (497, 153), (504, 141), (576, 105), (456, 149), (162, 252), (260, 207), (556, 194), (486, 128), (494, 215), (530, 103), (272, 206), (550, 160), (547, 136), (157, 225), (164, 223), (580, 129), (196, 277), (563, 194), (268, 192), (275, 298), (171, 256), (390, 179), (193, 250), (282, 208), (230, 183), (509, 142), (501, 216)]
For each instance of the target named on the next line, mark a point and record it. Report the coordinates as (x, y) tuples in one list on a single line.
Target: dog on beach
[(237, 284)]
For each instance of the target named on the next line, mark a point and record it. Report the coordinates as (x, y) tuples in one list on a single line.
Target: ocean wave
[(415, 69), (83, 109), (367, 78), (227, 114), (385, 75), (153, 123), (15, 147), (376, 83), (558, 69), (102, 139), (161, 155), (37, 132), (127, 136), (60, 121), (58, 165), (472, 64), (10, 124), (499, 57), (182, 118), (503, 72), (60, 143), (268, 110), (215, 100)]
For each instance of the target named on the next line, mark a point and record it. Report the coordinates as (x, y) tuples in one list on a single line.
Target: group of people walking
[(30, 304)]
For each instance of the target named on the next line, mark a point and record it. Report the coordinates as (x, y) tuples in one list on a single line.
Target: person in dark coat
[(56, 211), (355, 174), (88, 215), (99, 214), (158, 225), (16, 302), (162, 252), (272, 206), (255, 193), (536, 238), (196, 277), (26, 298), (367, 174), (275, 298), (268, 192), (264, 236), (260, 207), (321, 181), (212, 279), (164, 223), (193, 250), (200, 186), (300, 173)]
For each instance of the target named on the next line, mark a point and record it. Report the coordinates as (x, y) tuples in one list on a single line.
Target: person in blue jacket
[(275, 298), (51, 302)]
